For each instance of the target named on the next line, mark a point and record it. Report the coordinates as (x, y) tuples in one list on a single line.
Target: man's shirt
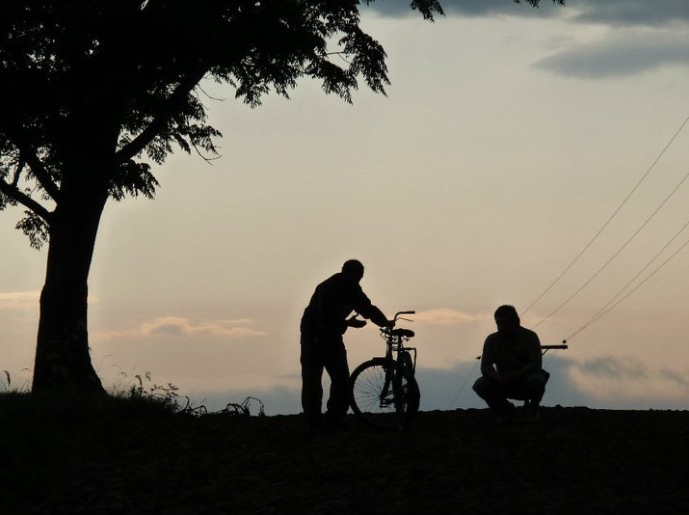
[(333, 301), (517, 352)]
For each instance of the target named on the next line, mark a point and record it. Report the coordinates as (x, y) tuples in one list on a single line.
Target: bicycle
[(385, 394)]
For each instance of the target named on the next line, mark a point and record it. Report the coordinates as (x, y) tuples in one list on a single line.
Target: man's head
[(353, 269), (507, 319)]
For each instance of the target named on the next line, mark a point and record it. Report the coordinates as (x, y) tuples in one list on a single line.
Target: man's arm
[(363, 306), (355, 322), (376, 316), (488, 361)]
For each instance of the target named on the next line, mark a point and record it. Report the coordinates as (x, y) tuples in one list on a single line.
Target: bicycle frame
[(394, 343), (384, 392)]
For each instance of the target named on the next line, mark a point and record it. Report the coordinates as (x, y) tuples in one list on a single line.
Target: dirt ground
[(576, 460)]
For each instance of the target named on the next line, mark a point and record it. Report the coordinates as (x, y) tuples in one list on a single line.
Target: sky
[(514, 144)]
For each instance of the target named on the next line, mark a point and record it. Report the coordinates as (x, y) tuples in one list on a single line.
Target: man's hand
[(493, 374), (500, 378), (508, 377), (355, 322)]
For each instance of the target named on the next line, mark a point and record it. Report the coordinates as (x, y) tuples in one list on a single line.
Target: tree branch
[(42, 175), (18, 173), (16, 194), (29, 156), (146, 136)]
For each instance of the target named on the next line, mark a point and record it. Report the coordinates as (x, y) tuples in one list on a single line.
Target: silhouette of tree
[(95, 92)]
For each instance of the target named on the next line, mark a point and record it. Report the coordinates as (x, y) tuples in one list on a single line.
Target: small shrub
[(23, 386), (142, 387), (231, 409)]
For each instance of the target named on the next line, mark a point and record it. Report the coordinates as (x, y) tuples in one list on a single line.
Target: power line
[(461, 388), (619, 251), (614, 214), (603, 311)]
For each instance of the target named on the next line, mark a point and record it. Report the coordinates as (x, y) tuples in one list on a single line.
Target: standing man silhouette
[(322, 346)]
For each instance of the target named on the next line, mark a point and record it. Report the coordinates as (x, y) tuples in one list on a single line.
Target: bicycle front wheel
[(408, 394), (383, 395)]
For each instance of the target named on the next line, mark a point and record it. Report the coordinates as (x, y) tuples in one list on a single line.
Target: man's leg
[(338, 369), (311, 377), (492, 392), (531, 389)]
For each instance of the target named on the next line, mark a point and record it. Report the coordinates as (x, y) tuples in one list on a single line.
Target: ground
[(142, 461)]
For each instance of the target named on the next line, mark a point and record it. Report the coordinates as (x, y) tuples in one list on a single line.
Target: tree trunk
[(63, 361)]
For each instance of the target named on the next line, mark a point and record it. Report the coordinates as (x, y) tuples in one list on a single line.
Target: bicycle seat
[(403, 333)]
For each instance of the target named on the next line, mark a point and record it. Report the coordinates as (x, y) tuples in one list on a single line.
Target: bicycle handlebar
[(389, 332)]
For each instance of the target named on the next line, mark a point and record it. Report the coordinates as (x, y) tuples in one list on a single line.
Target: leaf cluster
[(93, 92)]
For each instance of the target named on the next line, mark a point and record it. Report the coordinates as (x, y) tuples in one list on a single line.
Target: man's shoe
[(532, 412), (507, 414)]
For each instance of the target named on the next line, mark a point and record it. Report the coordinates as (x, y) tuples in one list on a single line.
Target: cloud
[(640, 35), (399, 8), (609, 367), (177, 326), (620, 55), (19, 300), (183, 327), (616, 13), (451, 387), (447, 316), (628, 382), (674, 377), (632, 12)]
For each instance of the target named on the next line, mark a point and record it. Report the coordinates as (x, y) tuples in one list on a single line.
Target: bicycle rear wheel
[(383, 395)]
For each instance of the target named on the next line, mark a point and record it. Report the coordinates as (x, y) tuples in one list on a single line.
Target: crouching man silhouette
[(511, 367)]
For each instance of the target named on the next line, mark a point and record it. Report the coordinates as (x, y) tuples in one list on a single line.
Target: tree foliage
[(128, 70), (122, 75)]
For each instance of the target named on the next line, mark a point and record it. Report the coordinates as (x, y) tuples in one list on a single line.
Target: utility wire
[(614, 214), (604, 310), (461, 388), (619, 251), (601, 312)]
